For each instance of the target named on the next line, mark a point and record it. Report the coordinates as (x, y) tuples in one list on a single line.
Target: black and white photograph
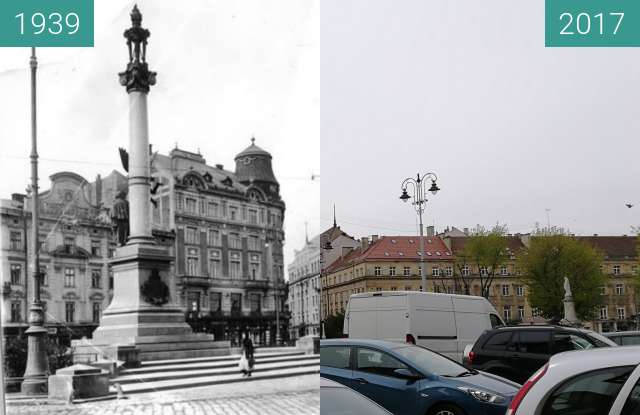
[(158, 190)]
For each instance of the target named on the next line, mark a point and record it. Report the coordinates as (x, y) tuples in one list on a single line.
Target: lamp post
[(326, 247), (35, 375), (419, 203), (276, 286)]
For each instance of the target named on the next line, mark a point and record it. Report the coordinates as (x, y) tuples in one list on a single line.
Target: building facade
[(229, 273), (304, 290)]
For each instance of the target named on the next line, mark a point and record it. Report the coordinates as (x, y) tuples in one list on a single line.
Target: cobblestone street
[(295, 396)]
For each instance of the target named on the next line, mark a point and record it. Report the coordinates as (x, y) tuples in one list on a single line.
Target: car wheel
[(446, 409)]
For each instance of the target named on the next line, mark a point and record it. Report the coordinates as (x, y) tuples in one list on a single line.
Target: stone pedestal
[(78, 382), (309, 344)]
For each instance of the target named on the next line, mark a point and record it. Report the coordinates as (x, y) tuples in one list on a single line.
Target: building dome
[(253, 165)]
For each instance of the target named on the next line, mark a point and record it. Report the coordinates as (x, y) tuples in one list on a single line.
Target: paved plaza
[(295, 396)]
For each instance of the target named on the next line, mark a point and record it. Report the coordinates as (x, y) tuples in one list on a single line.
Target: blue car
[(412, 380)]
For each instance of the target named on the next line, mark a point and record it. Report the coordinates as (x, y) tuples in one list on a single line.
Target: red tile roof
[(613, 247), (395, 248), (514, 243)]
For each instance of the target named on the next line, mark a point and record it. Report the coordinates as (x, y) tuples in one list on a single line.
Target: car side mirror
[(406, 373)]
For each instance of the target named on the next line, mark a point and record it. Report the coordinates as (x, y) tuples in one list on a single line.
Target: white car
[(587, 382)]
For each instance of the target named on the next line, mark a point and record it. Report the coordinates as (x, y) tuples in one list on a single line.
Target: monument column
[(142, 322)]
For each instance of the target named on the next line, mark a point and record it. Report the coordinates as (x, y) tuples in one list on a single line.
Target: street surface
[(295, 396)]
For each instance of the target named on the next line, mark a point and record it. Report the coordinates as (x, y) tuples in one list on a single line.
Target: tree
[(487, 250), (551, 258), (333, 326)]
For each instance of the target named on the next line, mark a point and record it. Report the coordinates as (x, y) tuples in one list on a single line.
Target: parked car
[(444, 323), (335, 398), (589, 382), (412, 380), (516, 352), (624, 338)]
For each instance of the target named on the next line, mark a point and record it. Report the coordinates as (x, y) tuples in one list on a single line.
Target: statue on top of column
[(137, 76)]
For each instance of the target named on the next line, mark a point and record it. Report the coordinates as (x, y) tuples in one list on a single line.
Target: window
[(435, 271), (535, 312), (42, 243), (616, 270), (215, 267), (69, 311), (483, 271), (69, 277), (214, 237), (215, 302), (590, 393), (392, 271), (16, 314), (16, 273), (254, 302), (95, 248), (96, 278), (505, 290), (112, 252), (603, 290), (604, 313), (619, 289), (235, 242), (449, 271), (235, 265), (419, 270), (236, 303), (191, 235), (97, 311), (15, 242), (506, 312), (519, 290), (69, 242), (193, 262), (498, 341), (406, 271), (253, 217), (465, 271), (254, 266), (43, 275), (564, 342), (110, 279), (335, 356), (620, 313), (213, 210), (394, 288), (533, 341), (503, 270), (192, 206), (233, 213), (520, 312), (376, 271), (378, 363), (254, 243)]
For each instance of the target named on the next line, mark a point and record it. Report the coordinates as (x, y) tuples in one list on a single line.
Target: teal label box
[(46, 23), (592, 23)]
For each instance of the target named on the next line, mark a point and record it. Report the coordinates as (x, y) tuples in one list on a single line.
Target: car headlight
[(483, 396)]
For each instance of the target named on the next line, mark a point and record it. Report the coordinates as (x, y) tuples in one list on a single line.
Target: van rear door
[(361, 318), (392, 317)]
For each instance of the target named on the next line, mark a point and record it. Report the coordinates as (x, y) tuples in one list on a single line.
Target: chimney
[(364, 241), (219, 166), (98, 190), (374, 238), (346, 250), (466, 231), (430, 230)]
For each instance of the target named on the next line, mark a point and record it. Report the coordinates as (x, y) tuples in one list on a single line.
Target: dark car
[(335, 398), (516, 352), (412, 380), (624, 338)]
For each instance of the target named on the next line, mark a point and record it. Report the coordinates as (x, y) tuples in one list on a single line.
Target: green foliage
[(333, 326), (550, 259), (15, 359), (488, 249)]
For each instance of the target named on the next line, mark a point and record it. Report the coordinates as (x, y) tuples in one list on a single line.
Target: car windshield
[(430, 362), (600, 340)]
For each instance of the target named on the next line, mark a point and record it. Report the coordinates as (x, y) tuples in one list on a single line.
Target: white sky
[(467, 89), (226, 70)]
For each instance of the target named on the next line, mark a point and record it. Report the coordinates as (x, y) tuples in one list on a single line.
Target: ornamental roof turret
[(253, 165)]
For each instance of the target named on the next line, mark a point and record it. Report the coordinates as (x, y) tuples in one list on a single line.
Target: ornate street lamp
[(325, 247), (419, 187)]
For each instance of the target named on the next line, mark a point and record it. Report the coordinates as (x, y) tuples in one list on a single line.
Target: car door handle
[(361, 381)]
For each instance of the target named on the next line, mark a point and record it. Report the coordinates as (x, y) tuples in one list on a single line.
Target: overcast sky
[(226, 70), (467, 89)]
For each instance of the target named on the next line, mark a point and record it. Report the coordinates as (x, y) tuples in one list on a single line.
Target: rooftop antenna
[(306, 234), (335, 225)]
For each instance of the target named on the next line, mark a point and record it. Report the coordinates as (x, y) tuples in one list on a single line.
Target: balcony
[(196, 280)]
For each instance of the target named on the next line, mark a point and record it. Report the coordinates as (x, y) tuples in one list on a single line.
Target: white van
[(444, 323)]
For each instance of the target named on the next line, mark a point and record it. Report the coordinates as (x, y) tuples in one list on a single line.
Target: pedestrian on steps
[(247, 360)]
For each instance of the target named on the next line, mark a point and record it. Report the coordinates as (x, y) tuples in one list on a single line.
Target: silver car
[(589, 382)]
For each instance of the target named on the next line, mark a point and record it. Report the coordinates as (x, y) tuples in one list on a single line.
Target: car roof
[(383, 344), (541, 327), (590, 359), (621, 333)]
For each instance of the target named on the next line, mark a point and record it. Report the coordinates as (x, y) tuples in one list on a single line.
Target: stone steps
[(193, 372)]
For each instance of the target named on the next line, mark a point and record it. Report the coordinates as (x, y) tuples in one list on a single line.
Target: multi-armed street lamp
[(419, 203)]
